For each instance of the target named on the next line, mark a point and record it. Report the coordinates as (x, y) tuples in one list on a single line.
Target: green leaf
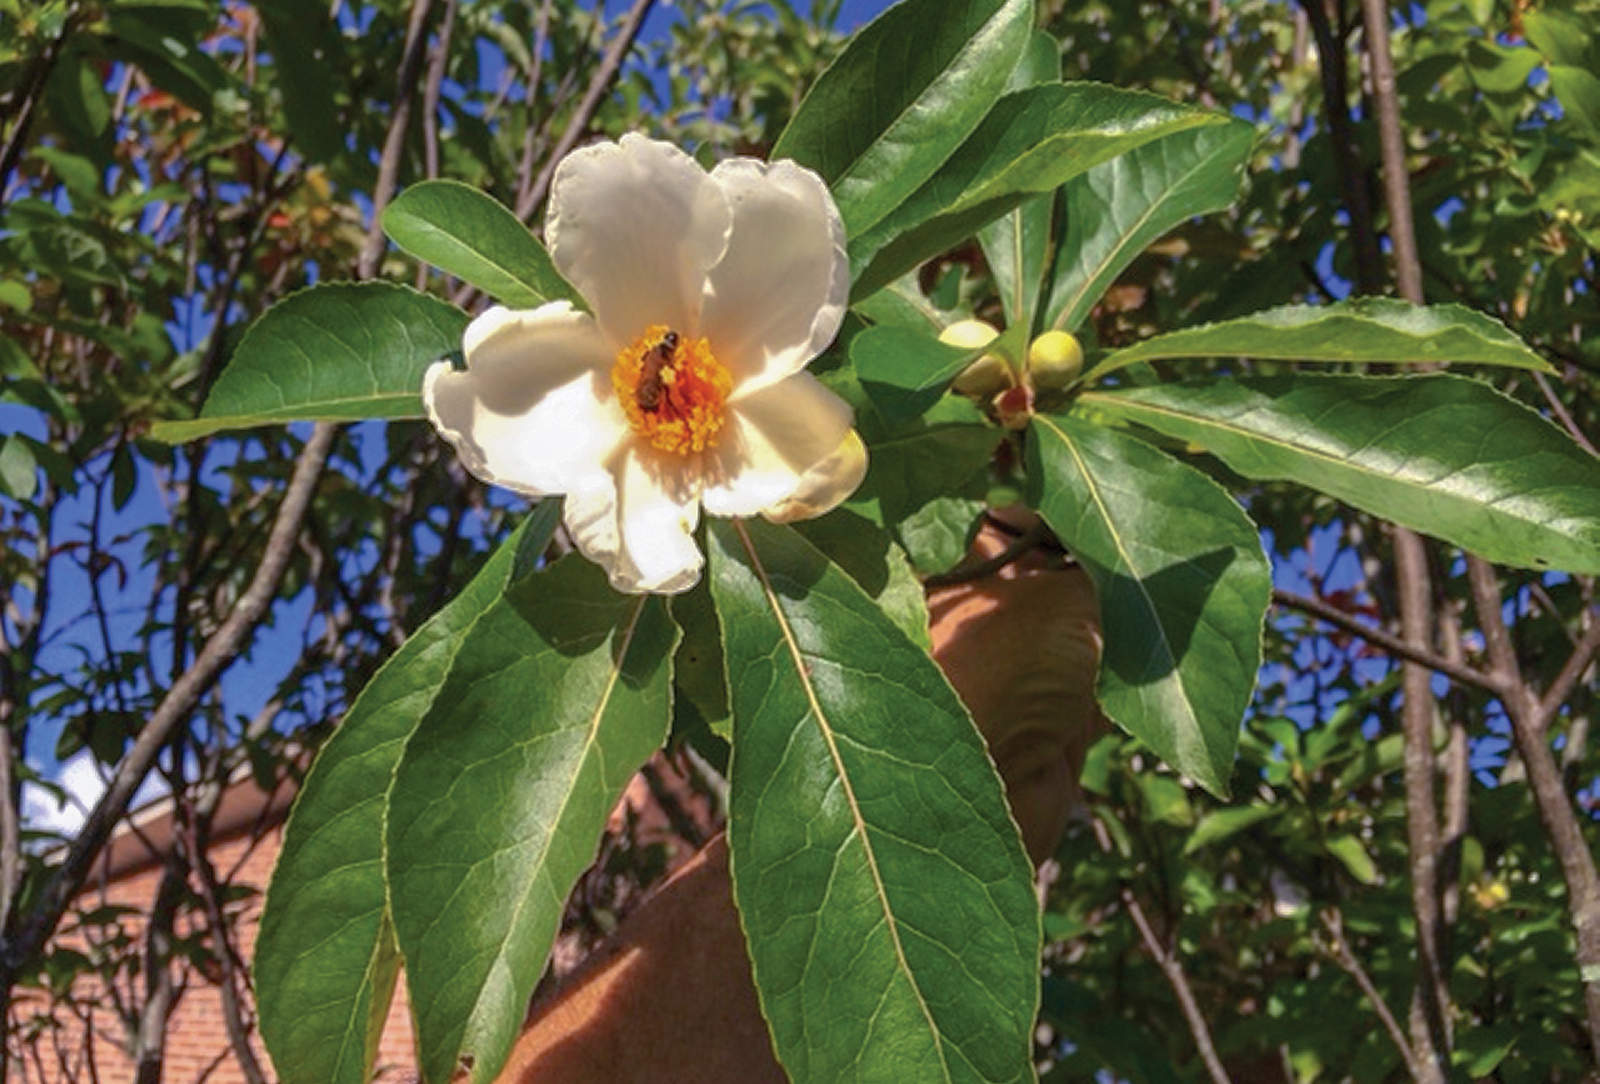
[(325, 960), (1117, 209), (1222, 824), (1015, 246), (309, 54), (19, 477), (163, 40), (1182, 584), (337, 352), (1033, 141), (882, 885), (939, 456), (1354, 857), (559, 692), (905, 372), (902, 96), (869, 557), (470, 235), (1441, 454), (1363, 329)]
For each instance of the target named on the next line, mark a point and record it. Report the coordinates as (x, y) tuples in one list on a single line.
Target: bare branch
[(1172, 967), (219, 652), (1528, 719), (394, 141), (1403, 649), (1333, 922), (599, 87)]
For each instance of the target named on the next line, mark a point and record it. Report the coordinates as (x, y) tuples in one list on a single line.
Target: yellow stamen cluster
[(673, 391)]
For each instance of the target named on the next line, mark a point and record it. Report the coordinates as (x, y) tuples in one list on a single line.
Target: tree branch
[(1417, 653), (219, 652), (1528, 720), (1172, 967)]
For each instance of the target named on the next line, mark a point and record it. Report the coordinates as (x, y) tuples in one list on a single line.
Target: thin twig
[(1391, 643), (1022, 545), (599, 87), (1430, 1006), (1172, 967), (1333, 921), (1574, 430), (394, 140)]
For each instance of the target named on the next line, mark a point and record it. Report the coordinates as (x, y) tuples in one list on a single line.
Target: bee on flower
[(684, 385)]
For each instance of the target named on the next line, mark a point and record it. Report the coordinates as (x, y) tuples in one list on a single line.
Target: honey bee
[(659, 359)]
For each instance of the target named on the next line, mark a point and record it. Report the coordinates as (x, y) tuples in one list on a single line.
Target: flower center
[(673, 390)]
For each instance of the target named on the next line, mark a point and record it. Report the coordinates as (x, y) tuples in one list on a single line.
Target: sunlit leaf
[(1441, 454), (1116, 210), (882, 885), (559, 692), (1370, 329), (339, 352), (904, 93), (470, 235), (325, 958)]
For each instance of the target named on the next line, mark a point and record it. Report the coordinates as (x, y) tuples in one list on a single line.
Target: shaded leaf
[(561, 689), (337, 352), (1182, 584), (470, 235), (1441, 454), (882, 886)]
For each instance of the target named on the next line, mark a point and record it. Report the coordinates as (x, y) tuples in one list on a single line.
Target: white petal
[(533, 410), (635, 226), (779, 435), (826, 485), (639, 527), (776, 299)]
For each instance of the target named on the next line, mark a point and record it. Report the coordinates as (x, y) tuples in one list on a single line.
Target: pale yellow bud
[(989, 373), (1054, 360)]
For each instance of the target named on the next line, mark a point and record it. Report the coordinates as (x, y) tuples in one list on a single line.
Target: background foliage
[(154, 198)]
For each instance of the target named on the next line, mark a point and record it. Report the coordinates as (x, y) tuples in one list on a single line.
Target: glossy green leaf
[(338, 352), (470, 235), (902, 96), (326, 961), (1119, 208), (869, 557), (885, 896), (937, 456), (1033, 141), (1441, 454), (905, 372), (19, 474), (1355, 859), (1016, 245), (1182, 585), (1363, 329), (559, 692)]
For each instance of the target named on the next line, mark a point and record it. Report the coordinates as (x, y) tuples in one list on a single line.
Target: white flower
[(686, 387)]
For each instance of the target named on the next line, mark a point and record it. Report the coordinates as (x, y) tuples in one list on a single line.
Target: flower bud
[(989, 373), (1054, 360)]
